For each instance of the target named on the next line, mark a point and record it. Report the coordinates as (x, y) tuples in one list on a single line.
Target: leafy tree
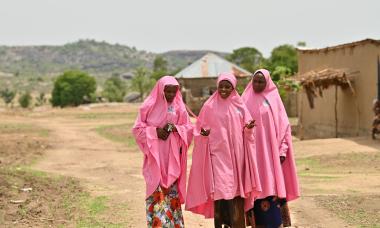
[(160, 67), (114, 89), (73, 88), (283, 55), (141, 82), (281, 72), (7, 95), (25, 100), (282, 77), (248, 58)]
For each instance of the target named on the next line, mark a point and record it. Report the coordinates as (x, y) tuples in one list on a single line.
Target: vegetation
[(25, 100), (7, 96), (114, 89), (73, 88)]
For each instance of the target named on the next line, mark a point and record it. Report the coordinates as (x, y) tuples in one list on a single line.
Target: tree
[(73, 88), (40, 100), (25, 100), (141, 82), (248, 58), (281, 72), (7, 95), (114, 89), (281, 76), (283, 55), (160, 67)]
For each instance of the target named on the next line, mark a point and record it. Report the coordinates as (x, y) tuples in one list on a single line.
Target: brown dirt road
[(113, 169)]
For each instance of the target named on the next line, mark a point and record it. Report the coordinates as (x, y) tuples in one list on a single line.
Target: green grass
[(120, 133), (16, 128), (107, 115), (357, 210), (62, 195), (96, 209)]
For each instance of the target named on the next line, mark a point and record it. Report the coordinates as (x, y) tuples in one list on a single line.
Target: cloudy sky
[(162, 25)]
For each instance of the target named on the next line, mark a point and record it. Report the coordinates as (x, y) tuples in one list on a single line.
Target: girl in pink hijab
[(274, 150), (163, 132), (223, 178)]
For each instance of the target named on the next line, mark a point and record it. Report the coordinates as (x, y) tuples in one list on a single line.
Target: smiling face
[(258, 82), (170, 92), (225, 88)]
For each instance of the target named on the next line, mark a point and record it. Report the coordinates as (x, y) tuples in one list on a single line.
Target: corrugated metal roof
[(211, 65)]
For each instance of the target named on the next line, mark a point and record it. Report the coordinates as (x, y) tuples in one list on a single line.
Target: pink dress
[(165, 161), (273, 139), (223, 164)]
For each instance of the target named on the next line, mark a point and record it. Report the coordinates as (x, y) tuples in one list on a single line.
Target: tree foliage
[(7, 95), (248, 58), (73, 88), (114, 89), (142, 82), (160, 67), (25, 100)]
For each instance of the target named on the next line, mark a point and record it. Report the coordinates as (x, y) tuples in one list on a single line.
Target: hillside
[(95, 57)]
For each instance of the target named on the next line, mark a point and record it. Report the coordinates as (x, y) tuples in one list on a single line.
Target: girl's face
[(170, 92), (258, 82), (224, 89)]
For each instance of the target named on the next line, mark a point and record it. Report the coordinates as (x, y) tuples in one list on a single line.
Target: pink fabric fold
[(165, 161), (273, 138), (223, 163)]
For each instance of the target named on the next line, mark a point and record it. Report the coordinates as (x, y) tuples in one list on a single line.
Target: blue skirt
[(268, 212)]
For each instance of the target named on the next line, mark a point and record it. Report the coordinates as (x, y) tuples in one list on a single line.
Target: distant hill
[(181, 58), (95, 57)]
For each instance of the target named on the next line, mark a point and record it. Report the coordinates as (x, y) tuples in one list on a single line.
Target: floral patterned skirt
[(163, 208)]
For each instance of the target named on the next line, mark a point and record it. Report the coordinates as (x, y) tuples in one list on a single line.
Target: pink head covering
[(281, 132), (155, 105), (233, 143), (164, 160)]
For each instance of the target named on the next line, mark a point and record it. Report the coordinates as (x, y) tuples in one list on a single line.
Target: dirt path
[(114, 170), (106, 168)]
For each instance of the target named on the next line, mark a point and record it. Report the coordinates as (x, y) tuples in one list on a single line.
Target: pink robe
[(165, 161), (273, 139), (223, 163)]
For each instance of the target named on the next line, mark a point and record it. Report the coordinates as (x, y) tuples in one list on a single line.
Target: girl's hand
[(162, 134), (251, 124), (205, 132)]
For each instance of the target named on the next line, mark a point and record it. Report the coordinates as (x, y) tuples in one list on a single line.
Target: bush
[(25, 100), (41, 99), (73, 88), (7, 95), (114, 89)]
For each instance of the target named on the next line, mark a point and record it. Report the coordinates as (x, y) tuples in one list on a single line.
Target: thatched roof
[(315, 81)]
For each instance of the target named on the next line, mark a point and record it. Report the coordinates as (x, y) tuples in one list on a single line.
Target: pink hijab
[(154, 113), (228, 132), (281, 132)]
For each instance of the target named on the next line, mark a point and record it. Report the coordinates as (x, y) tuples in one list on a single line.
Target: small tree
[(41, 99), (114, 89), (25, 100), (160, 67), (283, 55), (7, 95), (73, 88), (247, 57), (141, 82)]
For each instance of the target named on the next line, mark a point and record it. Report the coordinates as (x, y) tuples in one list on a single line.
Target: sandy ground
[(113, 169)]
